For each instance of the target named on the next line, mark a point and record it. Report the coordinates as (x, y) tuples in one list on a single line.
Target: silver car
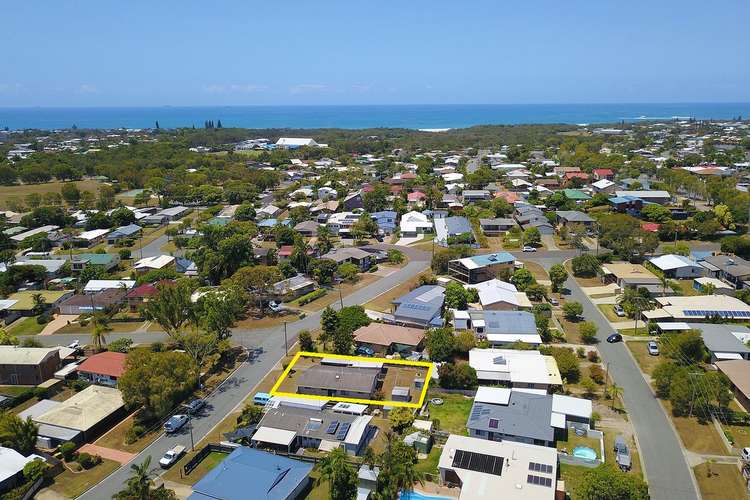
[(653, 348)]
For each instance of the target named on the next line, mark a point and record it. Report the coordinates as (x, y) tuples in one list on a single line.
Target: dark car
[(195, 406), (364, 351), (615, 337)]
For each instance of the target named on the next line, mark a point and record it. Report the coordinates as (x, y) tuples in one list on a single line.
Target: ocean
[(365, 116)]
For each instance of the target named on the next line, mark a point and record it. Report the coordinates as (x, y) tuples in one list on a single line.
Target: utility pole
[(286, 343), (341, 298), (192, 443)]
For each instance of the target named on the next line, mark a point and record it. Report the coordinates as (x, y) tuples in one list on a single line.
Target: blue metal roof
[(251, 473), (457, 225), (502, 322), (489, 259)]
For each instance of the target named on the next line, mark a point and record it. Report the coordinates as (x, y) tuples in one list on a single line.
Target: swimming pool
[(415, 495), (584, 452)]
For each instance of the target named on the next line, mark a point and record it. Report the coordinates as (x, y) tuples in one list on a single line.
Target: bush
[(68, 450), (373, 269), (585, 266), (40, 392), (124, 253), (88, 461), (588, 330), (42, 319), (78, 385), (462, 376), (134, 433), (34, 470), (593, 356), (572, 310), (597, 374), (157, 347), (581, 352), (120, 345), (314, 295), (567, 363)]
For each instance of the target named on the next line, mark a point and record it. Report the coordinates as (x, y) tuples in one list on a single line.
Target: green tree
[(455, 296), (557, 275), (171, 307), (536, 292), (440, 343), (684, 347), (587, 330), (323, 270), (156, 381), (452, 376), (17, 433), (397, 469), (585, 266), (572, 310), (522, 278), (341, 477), (140, 485), (400, 418), (567, 363), (329, 322), (532, 236), (306, 342), (348, 271), (608, 483)]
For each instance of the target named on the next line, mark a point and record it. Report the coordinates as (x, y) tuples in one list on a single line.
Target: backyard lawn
[(430, 464), (720, 482), (575, 440), (453, 413)]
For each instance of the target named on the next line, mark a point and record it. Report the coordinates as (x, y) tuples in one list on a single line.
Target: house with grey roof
[(499, 328), (123, 232), (448, 229), (421, 307), (502, 414), (571, 217), (728, 268), (340, 381), (496, 227), (471, 195), (724, 341), (353, 255)]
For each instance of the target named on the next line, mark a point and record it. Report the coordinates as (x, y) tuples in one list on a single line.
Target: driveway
[(60, 321), (548, 241)]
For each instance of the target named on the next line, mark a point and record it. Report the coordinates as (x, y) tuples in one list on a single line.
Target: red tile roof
[(285, 251), (416, 195), (651, 227), (602, 171), (105, 363)]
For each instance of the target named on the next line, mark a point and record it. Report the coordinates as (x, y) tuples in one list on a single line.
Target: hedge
[(306, 299)]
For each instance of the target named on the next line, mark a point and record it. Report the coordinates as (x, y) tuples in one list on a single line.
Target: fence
[(202, 454)]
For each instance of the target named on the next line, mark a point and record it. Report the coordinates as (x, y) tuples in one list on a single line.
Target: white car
[(171, 456), (745, 454), (529, 249), (175, 423), (619, 311), (653, 348)]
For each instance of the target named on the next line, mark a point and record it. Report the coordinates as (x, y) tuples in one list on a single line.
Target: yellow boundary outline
[(275, 392)]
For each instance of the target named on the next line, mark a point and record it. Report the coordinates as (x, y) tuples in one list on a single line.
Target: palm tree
[(101, 327), (17, 433), (341, 477), (615, 391), (140, 485), (39, 302)]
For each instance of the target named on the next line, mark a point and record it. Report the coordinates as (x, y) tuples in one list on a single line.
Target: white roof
[(351, 408), (603, 184), (516, 366), (295, 141), (509, 338), (557, 420), (274, 436), (567, 405), (493, 395), (16, 355), (512, 483), (644, 194), (727, 355), (717, 283), (97, 285), (672, 326), (12, 462), (494, 291), (84, 409), (357, 429), (156, 262), (32, 232), (93, 234), (6, 304), (672, 261)]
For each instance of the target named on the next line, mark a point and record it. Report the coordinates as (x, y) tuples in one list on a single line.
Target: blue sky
[(138, 53)]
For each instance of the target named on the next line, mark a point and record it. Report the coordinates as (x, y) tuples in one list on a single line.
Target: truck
[(171, 456)]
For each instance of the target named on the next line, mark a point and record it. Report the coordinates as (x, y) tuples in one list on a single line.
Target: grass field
[(7, 193), (26, 326), (453, 413), (115, 438), (720, 482), (695, 436), (430, 464), (609, 312), (72, 484)]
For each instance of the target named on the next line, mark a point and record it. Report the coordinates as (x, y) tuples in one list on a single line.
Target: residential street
[(666, 469)]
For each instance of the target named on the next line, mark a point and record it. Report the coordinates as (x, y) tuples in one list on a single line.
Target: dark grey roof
[(346, 378), (526, 415), (719, 338), (574, 216), (421, 304), (730, 264), (457, 225), (305, 422), (497, 222)]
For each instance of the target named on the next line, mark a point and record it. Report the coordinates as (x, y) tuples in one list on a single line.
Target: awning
[(557, 420), (727, 355), (274, 436)]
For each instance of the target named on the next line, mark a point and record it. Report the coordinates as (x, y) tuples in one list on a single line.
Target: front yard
[(646, 361), (72, 484), (720, 482)]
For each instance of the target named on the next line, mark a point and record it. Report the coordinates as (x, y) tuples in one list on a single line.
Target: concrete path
[(548, 241), (122, 457), (60, 321), (405, 242), (610, 289), (604, 300), (622, 325)]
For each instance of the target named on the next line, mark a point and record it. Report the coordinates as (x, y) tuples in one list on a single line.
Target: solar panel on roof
[(478, 462), (538, 480), (332, 427), (343, 429)]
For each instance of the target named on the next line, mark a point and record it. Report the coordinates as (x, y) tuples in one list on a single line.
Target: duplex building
[(340, 381)]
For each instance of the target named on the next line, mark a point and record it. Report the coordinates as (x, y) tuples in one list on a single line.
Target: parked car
[(615, 337), (171, 456), (175, 423), (275, 306), (619, 311), (364, 351), (622, 453), (653, 349), (195, 406), (527, 248), (553, 301), (745, 454)]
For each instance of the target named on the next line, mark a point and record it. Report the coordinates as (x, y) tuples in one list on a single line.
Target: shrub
[(134, 433), (373, 269), (314, 295), (40, 392), (597, 374), (593, 356), (588, 330), (120, 345), (462, 376), (88, 461), (34, 470), (124, 253), (67, 449), (585, 265), (157, 347), (572, 310), (42, 319), (581, 352), (78, 385)]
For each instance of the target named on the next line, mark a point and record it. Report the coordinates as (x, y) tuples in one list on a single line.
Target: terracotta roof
[(650, 227), (105, 363), (738, 372), (603, 171), (285, 251), (385, 335)]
